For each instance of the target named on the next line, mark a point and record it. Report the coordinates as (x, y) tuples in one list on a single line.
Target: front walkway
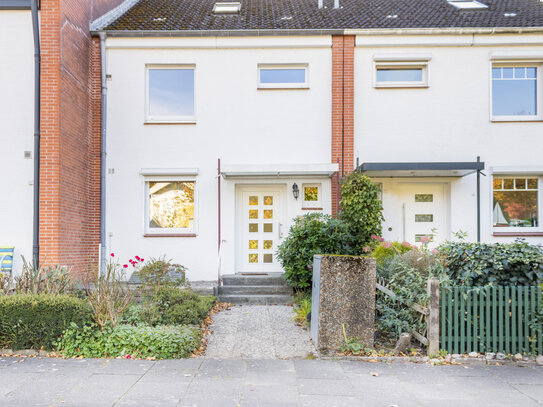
[(257, 332), (222, 383)]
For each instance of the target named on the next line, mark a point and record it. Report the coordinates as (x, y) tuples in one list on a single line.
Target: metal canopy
[(421, 169)]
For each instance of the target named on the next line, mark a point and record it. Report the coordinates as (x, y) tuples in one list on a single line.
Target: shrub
[(170, 305), (479, 264), (37, 320), (141, 341), (42, 279), (311, 234), (108, 294), (387, 250), (158, 272), (361, 208)]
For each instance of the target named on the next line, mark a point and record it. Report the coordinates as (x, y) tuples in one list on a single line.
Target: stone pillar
[(343, 294)]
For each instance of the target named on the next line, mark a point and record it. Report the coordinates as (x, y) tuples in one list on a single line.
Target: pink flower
[(125, 265), (406, 244), (112, 254), (435, 251), (366, 249), (142, 259), (387, 245), (128, 356), (375, 237), (425, 239), (138, 258)]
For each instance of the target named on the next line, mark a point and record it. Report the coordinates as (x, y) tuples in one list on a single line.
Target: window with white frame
[(515, 92), (401, 74), (282, 76), (311, 196), (170, 205), (170, 94), (515, 202)]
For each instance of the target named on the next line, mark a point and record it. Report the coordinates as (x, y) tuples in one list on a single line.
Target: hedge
[(37, 320), (479, 264)]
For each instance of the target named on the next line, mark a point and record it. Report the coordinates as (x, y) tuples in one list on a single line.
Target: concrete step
[(276, 299), (254, 289), (252, 280)]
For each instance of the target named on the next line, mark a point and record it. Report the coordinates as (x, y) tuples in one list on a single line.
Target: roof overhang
[(278, 171), (421, 169)]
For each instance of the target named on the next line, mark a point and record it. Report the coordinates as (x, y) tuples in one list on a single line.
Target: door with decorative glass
[(423, 213), (261, 225)]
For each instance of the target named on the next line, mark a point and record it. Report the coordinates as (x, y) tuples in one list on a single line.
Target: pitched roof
[(185, 15)]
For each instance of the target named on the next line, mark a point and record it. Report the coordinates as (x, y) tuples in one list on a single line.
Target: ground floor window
[(515, 202), (312, 196), (170, 206)]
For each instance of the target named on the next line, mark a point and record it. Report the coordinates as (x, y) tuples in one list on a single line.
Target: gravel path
[(257, 332)]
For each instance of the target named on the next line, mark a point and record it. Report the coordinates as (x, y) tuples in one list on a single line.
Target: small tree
[(361, 208)]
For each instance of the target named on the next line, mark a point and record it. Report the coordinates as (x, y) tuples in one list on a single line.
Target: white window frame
[(304, 85), (423, 65), (539, 90), (148, 231), (312, 204), (168, 119), (512, 229)]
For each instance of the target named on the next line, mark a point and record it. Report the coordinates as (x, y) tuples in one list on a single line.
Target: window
[(401, 75), (467, 4), (282, 76), (515, 202), (515, 92), (170, 206), (311, 196), (170, 94), (224, 7)]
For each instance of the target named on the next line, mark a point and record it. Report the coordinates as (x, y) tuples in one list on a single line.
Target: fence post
[(433, 317)]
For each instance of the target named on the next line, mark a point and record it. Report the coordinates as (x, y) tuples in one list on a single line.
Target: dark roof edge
[(288, 32)]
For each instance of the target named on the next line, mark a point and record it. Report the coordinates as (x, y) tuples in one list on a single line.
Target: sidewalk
[(210, 382)]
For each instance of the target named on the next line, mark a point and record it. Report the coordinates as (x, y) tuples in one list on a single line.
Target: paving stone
[(518, 374), (325, 387), (209, 400), (125, 366), (255, 365), (278, 394), (535, 391), (327, 401), (271, 378), (223, 368), (318, 369), (157, 393), (215, 386)]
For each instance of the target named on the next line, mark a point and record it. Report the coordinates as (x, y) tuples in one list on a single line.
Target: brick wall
[(342, 110), (70, 147)]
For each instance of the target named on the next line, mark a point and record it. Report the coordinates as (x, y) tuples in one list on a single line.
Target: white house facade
[(16, 131)]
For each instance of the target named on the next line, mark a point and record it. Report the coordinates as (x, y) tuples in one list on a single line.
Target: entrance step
[(256, 299), (254, 289)]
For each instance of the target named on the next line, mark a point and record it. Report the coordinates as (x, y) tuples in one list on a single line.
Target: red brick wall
[(342, 110), (70, 147)]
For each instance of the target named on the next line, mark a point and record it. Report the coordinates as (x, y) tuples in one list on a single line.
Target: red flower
[(142, 259), (138, 258), (112, 254), (125, 265)]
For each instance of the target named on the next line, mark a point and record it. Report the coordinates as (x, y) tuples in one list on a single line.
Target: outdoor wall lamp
[(295, 190)]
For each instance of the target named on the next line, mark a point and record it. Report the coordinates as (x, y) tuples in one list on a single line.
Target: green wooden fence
[(489, 319)]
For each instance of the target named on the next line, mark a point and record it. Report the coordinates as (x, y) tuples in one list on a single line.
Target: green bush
[(37, 320), (479, 264), (159, 272), (161, 342), (361, 208), (170, 306), (311, 234), (387, 250)]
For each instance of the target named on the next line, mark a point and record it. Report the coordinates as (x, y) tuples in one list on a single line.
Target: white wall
[(234, 122), (16, 132), (449, 120)]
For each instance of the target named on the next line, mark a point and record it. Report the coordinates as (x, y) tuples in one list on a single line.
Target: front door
[(261, 228), (423, 212)]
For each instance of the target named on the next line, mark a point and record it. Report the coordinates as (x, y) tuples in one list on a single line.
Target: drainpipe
[(103, 115), (478, 202), (37, 84)]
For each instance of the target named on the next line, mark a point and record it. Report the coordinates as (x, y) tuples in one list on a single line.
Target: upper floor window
[(282, 76), (401, 75), (515, 92), (170, 94), (515, 202)]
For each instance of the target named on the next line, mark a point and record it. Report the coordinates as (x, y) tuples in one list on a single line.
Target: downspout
[(103, 114), (37, 106), (343, 109), (219, 219), (478, 202)]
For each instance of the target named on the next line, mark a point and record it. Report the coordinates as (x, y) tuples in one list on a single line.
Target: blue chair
[(6, 259)]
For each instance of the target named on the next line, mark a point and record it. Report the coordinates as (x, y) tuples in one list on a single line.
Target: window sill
[(311, 209), (283, 87), (401, 86), (518, 234), (147, 122), (519, 119), (170, 235)]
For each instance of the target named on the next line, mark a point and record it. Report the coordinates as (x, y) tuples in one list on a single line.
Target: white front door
[(261, 224), (423, 212)]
